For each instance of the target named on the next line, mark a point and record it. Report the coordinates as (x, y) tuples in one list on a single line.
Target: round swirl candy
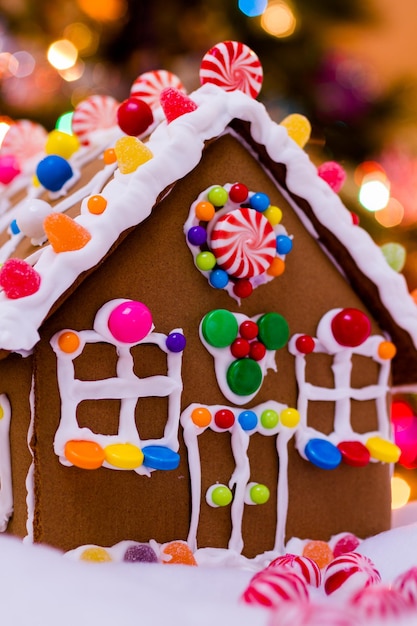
[(406, 584), (232, 66), (308, 568), (274, 585), (148, 86), (349, 573), (381, 603), (95, 113), (293, 613), (243, 242), (24, 140)]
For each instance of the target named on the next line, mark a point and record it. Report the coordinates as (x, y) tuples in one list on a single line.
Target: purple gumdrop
[(140, 553)]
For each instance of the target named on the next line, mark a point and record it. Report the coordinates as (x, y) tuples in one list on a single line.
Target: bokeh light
[(103, 11), (252, 8), (400, 492), (83, 37), (391, 215), (374, 192), (279, 19), (62, 54), (64, 123)]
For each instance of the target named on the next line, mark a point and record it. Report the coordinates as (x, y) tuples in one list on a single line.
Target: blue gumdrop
[(140, 553), (53, 172)]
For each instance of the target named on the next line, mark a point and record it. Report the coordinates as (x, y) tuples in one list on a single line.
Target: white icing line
[(6, 492)]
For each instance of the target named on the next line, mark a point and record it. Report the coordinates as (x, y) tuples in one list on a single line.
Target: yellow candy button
[(124, 455), (289, 417), (383, 450)]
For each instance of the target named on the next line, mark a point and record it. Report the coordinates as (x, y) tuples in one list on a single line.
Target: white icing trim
[(6, 492)]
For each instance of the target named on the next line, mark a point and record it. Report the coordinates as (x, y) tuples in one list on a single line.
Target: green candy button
[(273, 331), (219, 328), (244, 377)]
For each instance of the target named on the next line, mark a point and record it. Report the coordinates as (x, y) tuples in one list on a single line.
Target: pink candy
[(24, 140), (406, 584), (296, 614), (379, 602), (175, 103), (348, 573), (274, 585), (148, 86), (346, 543), (308, 568), (95, 113), (333, 174)]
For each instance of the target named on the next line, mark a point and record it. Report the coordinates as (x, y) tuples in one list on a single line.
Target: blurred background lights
[(374, 192), (64, 123), (251, 8), (62, 54), (391, 215), (25, 64), (279, 19), (83, 37), (103, 10), (400, 492)]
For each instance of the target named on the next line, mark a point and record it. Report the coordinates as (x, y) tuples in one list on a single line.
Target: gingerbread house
[(205, 352)]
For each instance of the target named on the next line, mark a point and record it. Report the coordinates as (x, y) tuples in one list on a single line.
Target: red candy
[(305, 344), (238, 193), (406, 584), (134, 116), (249, 329), (308, 568), (224, 418), (380, 602), (333, 174), (348, 573), (274, 585), (19, 279), (354, 453), (347, 543), (351, 327), (175, 103)]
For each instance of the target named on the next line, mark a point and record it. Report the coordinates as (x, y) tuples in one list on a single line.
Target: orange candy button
[(64, 233), (96, 204), (68, 342), (84, 454), (177, 552)]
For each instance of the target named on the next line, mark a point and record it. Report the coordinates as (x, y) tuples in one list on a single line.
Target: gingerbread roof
[(175, 149)]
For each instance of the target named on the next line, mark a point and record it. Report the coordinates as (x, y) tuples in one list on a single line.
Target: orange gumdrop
[(319, 551), (179, 552), (64, 233), (109, 156)]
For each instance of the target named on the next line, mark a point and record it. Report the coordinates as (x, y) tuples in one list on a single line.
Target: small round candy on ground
[(319, 551), (349, 573), (303, 565), (272, 586)]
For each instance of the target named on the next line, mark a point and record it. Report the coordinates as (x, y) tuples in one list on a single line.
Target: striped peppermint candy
[(148, 86), (349, 573), (92, 114), (274, 585), (303, 565), (232, 66), (406, 584), (24, 140), (243, 242), (296, 614), (380, 602)]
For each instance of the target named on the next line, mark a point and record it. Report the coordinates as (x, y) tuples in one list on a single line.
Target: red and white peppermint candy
[(148, 86), (92, 114), (303, 565), (349, 573), (243, 242), (379, 602), (406, 584), (232, 66), (274, 585), (295, 614), (24, 140)]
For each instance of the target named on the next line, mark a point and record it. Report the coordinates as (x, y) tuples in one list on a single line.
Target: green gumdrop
[(395, 255), (244, 377), (219, 328), (273, 331)]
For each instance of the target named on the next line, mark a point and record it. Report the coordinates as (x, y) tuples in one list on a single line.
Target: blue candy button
[(160, 457), (323, 454)]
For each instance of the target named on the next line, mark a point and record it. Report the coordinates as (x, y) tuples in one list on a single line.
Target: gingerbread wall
[(154, 265)]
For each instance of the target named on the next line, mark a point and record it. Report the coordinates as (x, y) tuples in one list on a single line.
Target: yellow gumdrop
[(383, 450), (289, 417), (95, 554), (62, 144), (273, 214), (124, 455), (131, 153), (298, 128)]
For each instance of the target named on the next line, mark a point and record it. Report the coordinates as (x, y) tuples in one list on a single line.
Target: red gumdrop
[(333, 173), (134, 116), (175, 103), (351, 327), (19, 279)]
